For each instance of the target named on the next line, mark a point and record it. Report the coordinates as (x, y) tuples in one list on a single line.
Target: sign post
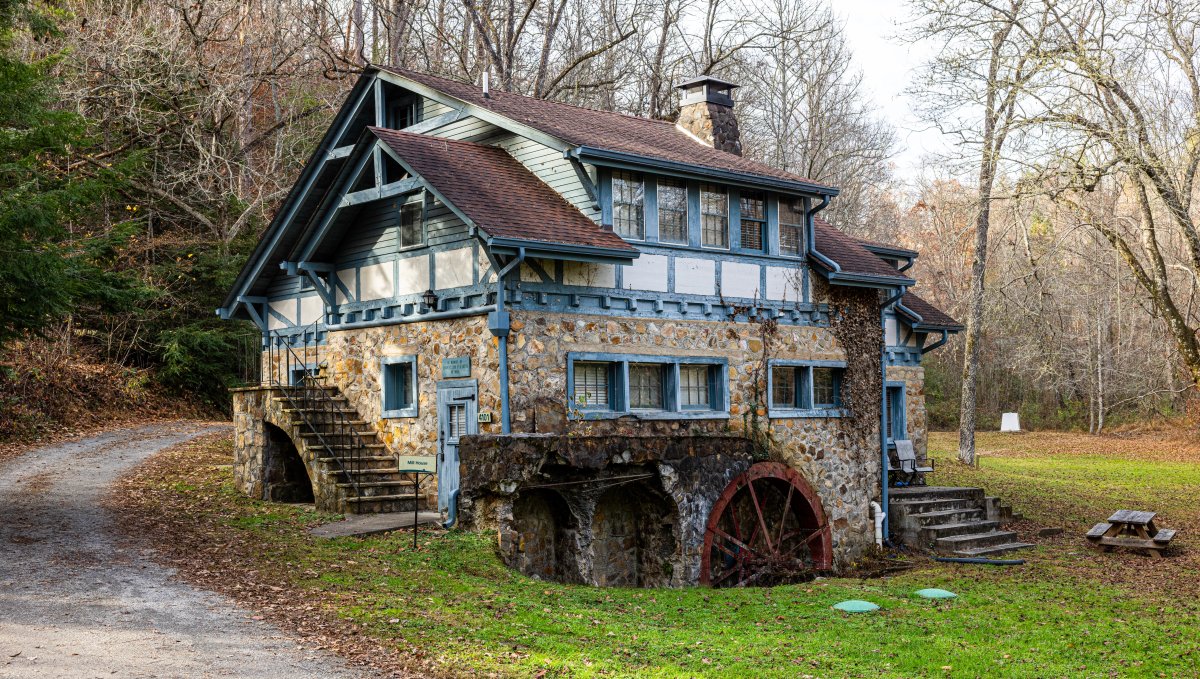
[(416, 465)]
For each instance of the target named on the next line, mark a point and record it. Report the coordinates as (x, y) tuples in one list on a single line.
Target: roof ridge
[(408, 72)]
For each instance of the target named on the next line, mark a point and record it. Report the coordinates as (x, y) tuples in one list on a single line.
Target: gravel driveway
[(73, 603)]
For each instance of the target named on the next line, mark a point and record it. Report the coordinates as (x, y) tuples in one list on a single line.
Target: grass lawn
[(451, 608)]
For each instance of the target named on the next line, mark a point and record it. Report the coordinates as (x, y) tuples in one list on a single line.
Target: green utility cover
[(856, 606), (936, 594)]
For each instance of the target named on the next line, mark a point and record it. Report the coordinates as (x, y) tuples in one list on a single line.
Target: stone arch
[(545, 536), (634, 538), (285, 475)]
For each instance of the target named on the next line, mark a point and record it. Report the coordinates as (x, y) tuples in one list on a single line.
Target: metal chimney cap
[(706, 88)]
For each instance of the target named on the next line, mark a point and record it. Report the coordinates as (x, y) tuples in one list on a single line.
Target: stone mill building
[(638, 357)]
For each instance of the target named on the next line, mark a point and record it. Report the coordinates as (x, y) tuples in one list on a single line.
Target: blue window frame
[(603, 386), (806, 388), (398, 375)]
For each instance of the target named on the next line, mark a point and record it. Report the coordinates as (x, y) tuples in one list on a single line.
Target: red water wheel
[(767, 528)]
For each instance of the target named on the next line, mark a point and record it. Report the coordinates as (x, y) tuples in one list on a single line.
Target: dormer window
[(754, 220), (714, 216), (672, 211), (628, 197), (791, 227)]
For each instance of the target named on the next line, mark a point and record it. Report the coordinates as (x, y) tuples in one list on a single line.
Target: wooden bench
[(1130, 529)]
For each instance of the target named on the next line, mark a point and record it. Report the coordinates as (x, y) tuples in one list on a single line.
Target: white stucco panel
[(376, 282), (590, 275), (412, 275), (784, 284), (695, 276), (648, 272), (891, 331), (311, 309), (739, 279), (346, 276), (285, 308), (482, 262), (454, 268)]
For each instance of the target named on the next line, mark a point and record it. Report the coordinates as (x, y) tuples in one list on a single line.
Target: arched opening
[(545, 537), (285, 477), (633, 538), (767, 528)]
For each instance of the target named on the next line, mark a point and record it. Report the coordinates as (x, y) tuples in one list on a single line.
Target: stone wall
[(714, 124)]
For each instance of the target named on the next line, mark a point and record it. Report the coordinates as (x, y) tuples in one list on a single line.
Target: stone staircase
[(355, 472), (952, 521)]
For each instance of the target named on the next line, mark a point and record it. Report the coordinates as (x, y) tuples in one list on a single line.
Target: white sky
[(888, 66)]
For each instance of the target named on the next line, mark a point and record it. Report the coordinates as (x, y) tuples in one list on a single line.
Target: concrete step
[(945, 530), (946, 516), (364, 458), (994, 550), (346, 446), (382, 503), (935, 493), (397, 484), (956, 543), (931, 505), (368, 435)]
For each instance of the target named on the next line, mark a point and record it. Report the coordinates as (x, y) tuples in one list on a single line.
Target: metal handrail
[(314, 396)]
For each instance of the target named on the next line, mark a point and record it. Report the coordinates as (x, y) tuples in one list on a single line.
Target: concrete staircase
[(951, 521), (355, 473)]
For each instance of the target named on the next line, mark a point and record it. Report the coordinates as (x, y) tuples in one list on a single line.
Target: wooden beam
[(386, 191)]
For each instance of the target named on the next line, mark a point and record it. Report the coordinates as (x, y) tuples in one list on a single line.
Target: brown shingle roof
[(931, 316), (498, 193), (601, 129), (849, 252)]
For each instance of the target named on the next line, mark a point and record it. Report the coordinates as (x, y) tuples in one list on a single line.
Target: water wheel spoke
[(734, 540), (787, 505), (726, 550), (762, 522)]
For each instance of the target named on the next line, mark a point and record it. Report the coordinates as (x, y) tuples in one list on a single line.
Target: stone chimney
[(706, 113)]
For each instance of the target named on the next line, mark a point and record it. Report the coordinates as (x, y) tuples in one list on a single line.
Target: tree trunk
[(970, 374)]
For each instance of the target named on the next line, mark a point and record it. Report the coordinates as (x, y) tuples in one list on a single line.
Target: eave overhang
[(620, 159), (839, 277), (920, 324)]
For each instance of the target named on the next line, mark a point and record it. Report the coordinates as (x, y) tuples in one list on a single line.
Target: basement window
[(398, 375), (800, 389), (647, 387)]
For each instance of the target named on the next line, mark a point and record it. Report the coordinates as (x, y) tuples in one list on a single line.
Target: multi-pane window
[(591, 385), (411, 231), (791, 226), (826, 387), (672, 211), (628, 195), (783, 387), (399, 386), (646, 386), (693, 386), (804, 387), (714, 216), (754, 219)]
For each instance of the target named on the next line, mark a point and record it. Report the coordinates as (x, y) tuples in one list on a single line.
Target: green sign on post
[(456, 366)]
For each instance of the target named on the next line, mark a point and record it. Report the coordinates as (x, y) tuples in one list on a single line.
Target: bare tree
[(992, 54)]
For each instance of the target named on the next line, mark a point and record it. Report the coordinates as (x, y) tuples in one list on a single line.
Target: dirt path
[(74, 603)]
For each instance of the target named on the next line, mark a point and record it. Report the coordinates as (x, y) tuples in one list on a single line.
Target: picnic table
[(1131, 530)]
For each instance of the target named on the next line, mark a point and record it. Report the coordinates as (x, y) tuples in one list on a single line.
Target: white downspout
[(875, 507)]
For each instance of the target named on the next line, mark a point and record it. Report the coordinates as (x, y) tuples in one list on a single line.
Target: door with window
[(458, 415)]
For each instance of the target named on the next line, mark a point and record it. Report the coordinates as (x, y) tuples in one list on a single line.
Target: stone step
[(932, 505), (993, 550), (934, 493), (320, 411), (364, 458), (956, 543), (945, 530), (382, 503), (325, 433), (346, 446), (946, 516)]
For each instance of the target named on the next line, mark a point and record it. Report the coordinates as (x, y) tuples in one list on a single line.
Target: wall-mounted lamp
[(430, 299)]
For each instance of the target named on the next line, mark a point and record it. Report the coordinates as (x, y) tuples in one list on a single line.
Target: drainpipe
[(878, 510), (935, 345), (812, 236), (499, 325), (883, 449)]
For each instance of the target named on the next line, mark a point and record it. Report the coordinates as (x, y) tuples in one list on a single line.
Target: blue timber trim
[(650, 207), (903, 356), (784, 413), (387, 384), (619, 387), (645, 304), (883, 442), (606, 206)]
